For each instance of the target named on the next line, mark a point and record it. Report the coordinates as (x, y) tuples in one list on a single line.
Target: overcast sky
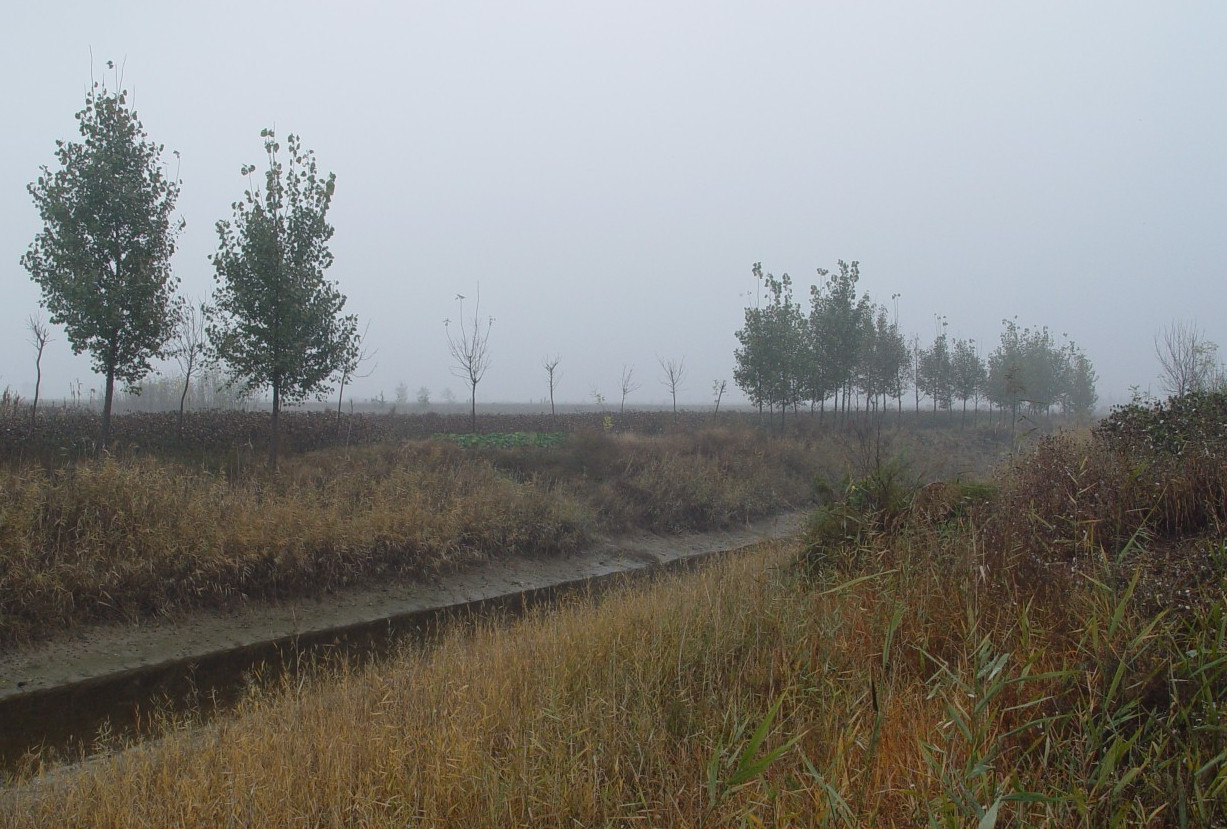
[(609, 172)]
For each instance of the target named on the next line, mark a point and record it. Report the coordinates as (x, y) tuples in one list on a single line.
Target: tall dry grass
[(123, 539), (905, 675)]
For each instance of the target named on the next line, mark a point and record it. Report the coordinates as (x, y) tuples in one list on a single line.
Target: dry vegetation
[(123, 538), (961, 654)]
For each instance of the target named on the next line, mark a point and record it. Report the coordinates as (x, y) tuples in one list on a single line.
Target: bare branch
[(471, 349), (1188, 361), (628, 384), (674, 375)]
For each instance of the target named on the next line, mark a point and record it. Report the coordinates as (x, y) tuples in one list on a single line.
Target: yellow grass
[(913, 678), (613, 712), (123, 539)]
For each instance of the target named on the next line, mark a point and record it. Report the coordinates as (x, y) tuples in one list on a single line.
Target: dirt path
[(113, 649)]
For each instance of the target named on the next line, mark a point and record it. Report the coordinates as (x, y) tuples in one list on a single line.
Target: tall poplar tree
[(103, 256), (276, 322)]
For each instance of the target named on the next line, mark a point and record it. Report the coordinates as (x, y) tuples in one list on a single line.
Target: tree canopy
[(103, 256), (276, 321), (847, 347)]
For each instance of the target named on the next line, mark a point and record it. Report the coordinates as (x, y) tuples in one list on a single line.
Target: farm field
[(1038, 645)]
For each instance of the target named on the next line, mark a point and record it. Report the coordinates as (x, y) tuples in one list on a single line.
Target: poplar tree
[(103, 256), (276, 322)]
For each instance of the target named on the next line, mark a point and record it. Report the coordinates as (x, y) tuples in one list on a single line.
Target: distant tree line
[(844, 349)]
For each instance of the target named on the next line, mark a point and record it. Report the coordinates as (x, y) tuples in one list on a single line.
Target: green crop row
[(504, 440)]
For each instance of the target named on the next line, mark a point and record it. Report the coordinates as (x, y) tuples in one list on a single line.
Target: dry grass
[(122, 539), (112, 539), (941, 665), (912, 681)]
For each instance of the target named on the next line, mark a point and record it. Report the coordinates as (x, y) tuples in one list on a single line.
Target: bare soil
[(105, 650)]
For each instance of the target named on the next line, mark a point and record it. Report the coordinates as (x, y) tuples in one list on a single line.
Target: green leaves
[(748, 763), (102, 259), (277, 322)]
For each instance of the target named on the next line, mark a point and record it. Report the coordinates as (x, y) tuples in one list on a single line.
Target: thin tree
[(39, 337), (470, 350), (936, 368), (187, 347), (357, 355), (838, 316), (1187, 360), (968, 374), (1080, 396), (553, 376), (103, 256), (718, 388), (772, 364), (673, 377), (627, 385), (276, 322)]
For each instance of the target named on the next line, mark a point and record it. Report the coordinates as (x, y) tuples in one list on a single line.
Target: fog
[(608, 173)]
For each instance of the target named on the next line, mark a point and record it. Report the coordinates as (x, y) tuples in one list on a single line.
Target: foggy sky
[(609, 172)]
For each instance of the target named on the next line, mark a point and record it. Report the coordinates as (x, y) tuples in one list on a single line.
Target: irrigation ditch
[(125, 699)]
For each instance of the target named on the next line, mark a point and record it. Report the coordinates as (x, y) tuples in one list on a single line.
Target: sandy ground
[(102, 651)]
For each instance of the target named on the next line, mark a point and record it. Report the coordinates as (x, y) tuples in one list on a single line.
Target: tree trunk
[(38, 381), (272, 439), (187, 379), (340, 397), (106, 409), (473, 410)]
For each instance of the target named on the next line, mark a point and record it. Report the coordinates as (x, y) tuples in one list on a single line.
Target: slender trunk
[(273, 436), (187, 382), (106, 409), (187, 379), (38, 381), (473, 410)]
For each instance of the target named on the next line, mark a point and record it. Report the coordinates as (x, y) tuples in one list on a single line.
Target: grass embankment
[(126, 538), (950, 657)]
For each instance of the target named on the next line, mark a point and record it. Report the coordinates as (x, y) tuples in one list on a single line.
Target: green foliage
[(863, 509), (1028, 367), (883, 355), (729, 771), (936, 371), (1171, 427), (276, 322), (103, 256), (838, 322), (770, 358), (968, 372), (505, 440), (786, 357)]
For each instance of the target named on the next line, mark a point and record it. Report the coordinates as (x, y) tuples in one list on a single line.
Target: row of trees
[(102, 262), (845, 348), (1028, 369)]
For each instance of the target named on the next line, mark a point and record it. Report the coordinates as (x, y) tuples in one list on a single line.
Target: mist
[(607, 174)]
